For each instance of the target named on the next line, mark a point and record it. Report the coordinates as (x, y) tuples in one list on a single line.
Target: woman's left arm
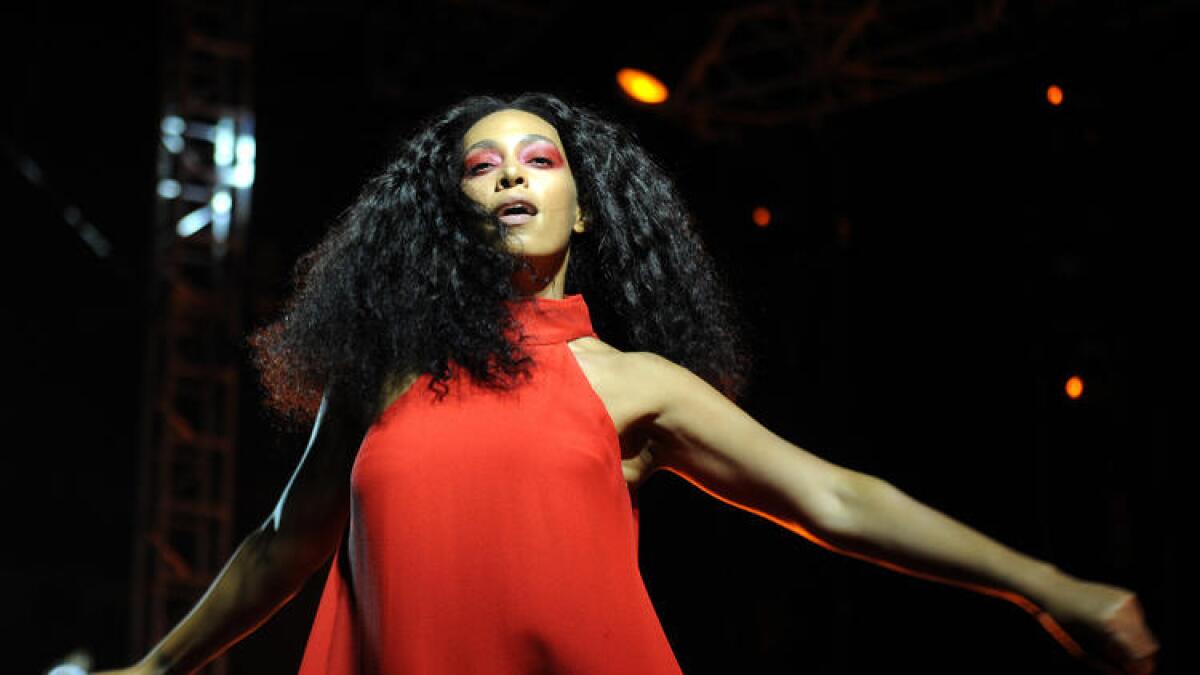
[(705, 438)]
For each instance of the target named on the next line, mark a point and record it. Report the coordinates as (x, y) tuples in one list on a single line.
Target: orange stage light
[(641, 86), (1054, 94), (761, 216), (1074, 387)]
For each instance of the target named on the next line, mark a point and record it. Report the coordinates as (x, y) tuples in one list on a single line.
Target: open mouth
[(516, 213)]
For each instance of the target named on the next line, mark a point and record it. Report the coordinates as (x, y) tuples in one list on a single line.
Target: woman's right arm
[(272, 563)]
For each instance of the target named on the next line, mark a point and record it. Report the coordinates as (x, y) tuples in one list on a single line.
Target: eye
[(542, 155), (475, 169)]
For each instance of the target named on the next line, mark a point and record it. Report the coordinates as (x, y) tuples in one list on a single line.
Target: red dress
[(492, 532)]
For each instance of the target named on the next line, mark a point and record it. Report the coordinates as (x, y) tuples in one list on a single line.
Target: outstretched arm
[(703, 437), (272, 562)]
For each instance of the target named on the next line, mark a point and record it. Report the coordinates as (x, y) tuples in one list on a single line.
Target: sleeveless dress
[(492, 532)]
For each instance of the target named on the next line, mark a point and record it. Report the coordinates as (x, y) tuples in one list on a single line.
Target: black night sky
[(938, 264)]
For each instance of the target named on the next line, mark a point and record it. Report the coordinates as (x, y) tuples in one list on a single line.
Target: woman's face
[(514, 166)]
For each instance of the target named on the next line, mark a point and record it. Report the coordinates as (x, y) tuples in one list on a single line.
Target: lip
[(516, 218), (507, 203)]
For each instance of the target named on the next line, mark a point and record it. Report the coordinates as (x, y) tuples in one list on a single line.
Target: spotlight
[(641, 86), (1054, 94), (1074, 387)]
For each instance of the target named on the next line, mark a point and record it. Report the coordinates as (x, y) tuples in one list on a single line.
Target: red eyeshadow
[(483, 155), (542, 149)]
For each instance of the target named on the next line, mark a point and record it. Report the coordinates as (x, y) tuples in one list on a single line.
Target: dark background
[(938, 264)]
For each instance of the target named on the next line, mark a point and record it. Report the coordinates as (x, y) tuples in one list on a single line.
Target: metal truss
[(205, 173)]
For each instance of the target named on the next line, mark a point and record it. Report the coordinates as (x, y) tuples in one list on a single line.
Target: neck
[(544, 277)]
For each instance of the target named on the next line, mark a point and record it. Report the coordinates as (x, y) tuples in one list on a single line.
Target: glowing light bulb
[(169, 188), (173, 125), (1074, 387), (641, 86), (1054, 94)]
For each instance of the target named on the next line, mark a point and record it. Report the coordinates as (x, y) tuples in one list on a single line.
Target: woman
[(476, 448)]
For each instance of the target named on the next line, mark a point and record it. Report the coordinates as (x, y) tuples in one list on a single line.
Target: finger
[(1110, 659), (1143, 665), (1137, 642)]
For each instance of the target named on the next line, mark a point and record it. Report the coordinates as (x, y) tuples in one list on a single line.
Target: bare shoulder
[(623, 381), (591, 345), (602, 363), (629, 362), (605, 360), (655, 404), (639, 383)]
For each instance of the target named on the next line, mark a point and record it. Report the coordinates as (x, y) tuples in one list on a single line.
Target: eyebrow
[(488, 143)]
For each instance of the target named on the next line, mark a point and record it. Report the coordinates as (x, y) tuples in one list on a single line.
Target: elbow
[(841, 519), (298, 543), (285, 561)]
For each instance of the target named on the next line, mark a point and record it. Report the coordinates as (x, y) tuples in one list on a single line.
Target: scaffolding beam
[(205, 173)]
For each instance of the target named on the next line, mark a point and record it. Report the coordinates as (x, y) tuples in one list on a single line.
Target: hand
[(1101, 624)]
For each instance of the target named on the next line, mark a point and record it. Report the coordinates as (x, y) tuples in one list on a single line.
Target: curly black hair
[(402, 284)]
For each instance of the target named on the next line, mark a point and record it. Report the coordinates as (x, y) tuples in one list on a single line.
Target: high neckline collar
[(552, 320)]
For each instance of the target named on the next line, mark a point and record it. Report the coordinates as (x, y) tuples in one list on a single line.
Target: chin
[(525, 248)]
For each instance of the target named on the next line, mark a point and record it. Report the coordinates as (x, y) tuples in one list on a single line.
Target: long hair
[(406, 282)]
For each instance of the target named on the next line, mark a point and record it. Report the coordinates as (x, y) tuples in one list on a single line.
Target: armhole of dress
[(614, 439)]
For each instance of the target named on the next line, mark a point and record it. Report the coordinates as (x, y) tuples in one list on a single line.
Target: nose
[(509, 177)]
